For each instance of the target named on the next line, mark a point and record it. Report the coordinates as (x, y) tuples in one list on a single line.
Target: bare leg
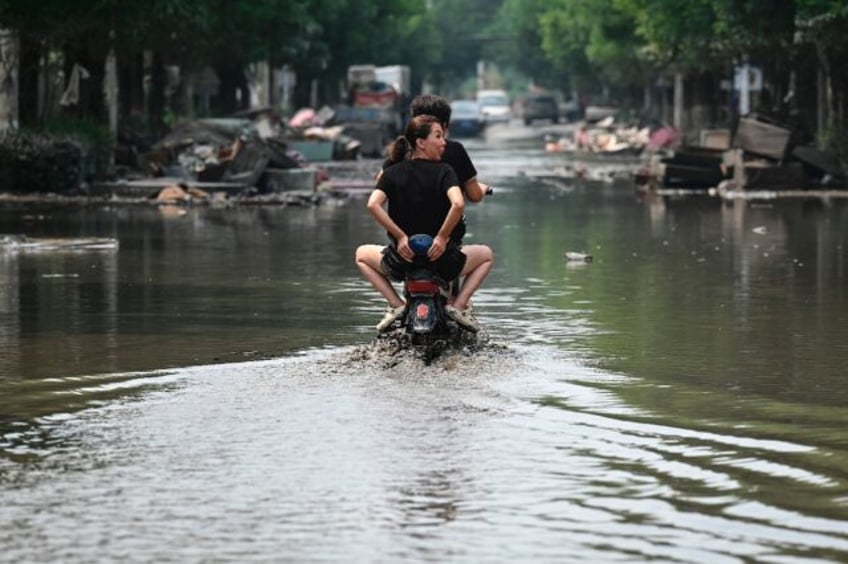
[(477, 267), (368, 259)]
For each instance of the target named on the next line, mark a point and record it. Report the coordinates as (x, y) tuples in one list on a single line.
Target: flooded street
[(211, 390)]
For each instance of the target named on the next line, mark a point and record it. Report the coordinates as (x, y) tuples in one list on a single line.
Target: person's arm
[(456, 156), (375, 206), (440, 241), (475, 190)]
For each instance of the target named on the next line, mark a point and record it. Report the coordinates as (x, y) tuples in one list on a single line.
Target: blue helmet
[(420, 243)]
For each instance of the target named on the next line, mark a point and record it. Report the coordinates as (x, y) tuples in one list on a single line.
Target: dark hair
[(430, 104), (419, 127)]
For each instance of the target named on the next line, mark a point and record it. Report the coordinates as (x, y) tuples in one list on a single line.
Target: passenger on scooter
[(423, 196), (454, 153)]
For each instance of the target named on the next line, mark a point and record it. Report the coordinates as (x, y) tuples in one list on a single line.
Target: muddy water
[(212, 389)]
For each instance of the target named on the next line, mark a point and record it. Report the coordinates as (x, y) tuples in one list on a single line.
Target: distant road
[(516, 130)]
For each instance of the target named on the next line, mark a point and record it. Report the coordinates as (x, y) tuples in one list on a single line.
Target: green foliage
[(40, 162), (519, 22), (464, 32), (672, 32), (95, 139), (381, 32), (835, 139), (87, 131), (753, 27), (821, 8), (589, 37)]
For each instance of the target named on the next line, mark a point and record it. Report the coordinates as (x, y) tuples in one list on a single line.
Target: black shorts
[(448, 266)]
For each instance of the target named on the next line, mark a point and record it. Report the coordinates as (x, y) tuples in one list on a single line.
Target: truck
[(396, 76), (371, 86), (377, 97)]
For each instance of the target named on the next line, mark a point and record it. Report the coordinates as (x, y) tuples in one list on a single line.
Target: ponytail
[(399, 150), (419, 127)]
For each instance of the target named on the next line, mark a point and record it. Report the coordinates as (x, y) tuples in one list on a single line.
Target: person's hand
[(438, 247), (404, 250)]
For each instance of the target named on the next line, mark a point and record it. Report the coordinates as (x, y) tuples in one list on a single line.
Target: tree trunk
[(28, 74), (156, 108), (232, 80), (131, 90)]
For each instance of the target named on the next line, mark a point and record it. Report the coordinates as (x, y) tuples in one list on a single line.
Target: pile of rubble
[(762, 154), (252, 155), (608, 137), (256, 155)]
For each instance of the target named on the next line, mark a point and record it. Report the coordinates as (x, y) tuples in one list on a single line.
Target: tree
[(380, 32), (594, 42), (519, 22)]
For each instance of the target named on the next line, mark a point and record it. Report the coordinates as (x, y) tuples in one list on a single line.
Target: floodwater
[(211, 390)]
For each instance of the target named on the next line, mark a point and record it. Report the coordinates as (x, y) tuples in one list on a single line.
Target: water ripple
[(508, 454)]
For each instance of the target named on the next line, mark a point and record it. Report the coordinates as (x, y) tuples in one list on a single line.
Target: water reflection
[(9, 315)]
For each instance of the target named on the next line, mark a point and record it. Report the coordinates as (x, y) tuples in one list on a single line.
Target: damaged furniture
[(763, 155)]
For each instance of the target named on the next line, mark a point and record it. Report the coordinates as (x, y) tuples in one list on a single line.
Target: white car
[(494, 105)]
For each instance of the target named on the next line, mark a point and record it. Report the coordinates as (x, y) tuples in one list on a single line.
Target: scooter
[(424, 319)]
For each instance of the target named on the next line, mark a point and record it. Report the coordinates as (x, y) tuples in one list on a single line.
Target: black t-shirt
[(457, 157), (417, 192)]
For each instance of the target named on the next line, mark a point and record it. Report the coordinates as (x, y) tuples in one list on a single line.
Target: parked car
[(494, 105), (539, 107), (466, 119)]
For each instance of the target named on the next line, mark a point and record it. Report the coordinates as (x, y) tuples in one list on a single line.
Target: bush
[(835, 139), (58, 157), (40, 163), (96, 140)]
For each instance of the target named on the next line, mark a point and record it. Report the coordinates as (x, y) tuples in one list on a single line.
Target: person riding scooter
[(423, 196)]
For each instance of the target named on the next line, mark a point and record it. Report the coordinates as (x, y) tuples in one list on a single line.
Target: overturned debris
[(22, 243), (606, 138), (180, 193), (763, 156), (216, 159)]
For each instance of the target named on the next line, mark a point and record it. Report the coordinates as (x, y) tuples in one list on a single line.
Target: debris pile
[(252, 155), (22, 243), (246, 156), (611, 138), (762, 154)]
